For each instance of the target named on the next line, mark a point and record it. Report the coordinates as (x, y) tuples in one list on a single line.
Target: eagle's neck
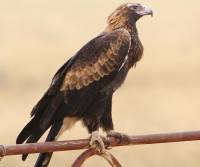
[(136, 50), (111, 28)]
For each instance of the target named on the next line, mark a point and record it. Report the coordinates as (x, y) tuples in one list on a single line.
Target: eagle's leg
[(97, 141), (123, 138), (107, 126)]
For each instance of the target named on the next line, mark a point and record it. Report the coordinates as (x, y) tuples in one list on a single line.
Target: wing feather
[(106, 57)]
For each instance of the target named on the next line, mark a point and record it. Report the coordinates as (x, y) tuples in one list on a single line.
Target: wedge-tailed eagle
[(82, 89)]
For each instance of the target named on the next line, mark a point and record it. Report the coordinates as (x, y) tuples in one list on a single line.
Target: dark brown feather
[(100, 64)]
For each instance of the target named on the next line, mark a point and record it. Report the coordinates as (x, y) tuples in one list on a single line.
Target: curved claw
[(96, 141), (123, 138)]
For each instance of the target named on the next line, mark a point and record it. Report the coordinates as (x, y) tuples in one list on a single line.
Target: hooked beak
[(145, 11)]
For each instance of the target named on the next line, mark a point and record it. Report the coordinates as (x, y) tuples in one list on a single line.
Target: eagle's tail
[(29, 131), (31, 134), (43, 115), (33, 139), (44, 158), (26, 131)]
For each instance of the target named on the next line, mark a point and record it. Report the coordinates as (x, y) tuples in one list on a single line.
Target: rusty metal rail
[(84, 144)]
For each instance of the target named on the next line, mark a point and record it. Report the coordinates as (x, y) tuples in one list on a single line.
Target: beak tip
[(150, 12)]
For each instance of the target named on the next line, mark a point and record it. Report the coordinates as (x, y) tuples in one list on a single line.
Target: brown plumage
[(83, 87), (105, 63)]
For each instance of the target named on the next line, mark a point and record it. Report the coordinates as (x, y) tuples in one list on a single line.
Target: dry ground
[(160, 95)]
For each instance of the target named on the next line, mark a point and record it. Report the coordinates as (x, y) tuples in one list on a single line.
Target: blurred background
[(161, 95)]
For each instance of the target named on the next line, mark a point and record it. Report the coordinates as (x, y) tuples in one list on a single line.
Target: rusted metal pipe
[(84, 143)]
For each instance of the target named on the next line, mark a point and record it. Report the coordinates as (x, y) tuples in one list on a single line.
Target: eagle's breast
[(136, 51)]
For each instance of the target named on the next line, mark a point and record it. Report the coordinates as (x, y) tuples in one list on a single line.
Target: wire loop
[(92, 152)]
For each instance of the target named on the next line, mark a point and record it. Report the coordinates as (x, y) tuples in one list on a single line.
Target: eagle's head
[(127, 14)]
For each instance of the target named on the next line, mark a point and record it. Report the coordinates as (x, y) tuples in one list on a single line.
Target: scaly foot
[(96, 141), (123, 138)]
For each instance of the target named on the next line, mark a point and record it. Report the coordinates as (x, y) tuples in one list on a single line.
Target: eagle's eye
[(134, 7)]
